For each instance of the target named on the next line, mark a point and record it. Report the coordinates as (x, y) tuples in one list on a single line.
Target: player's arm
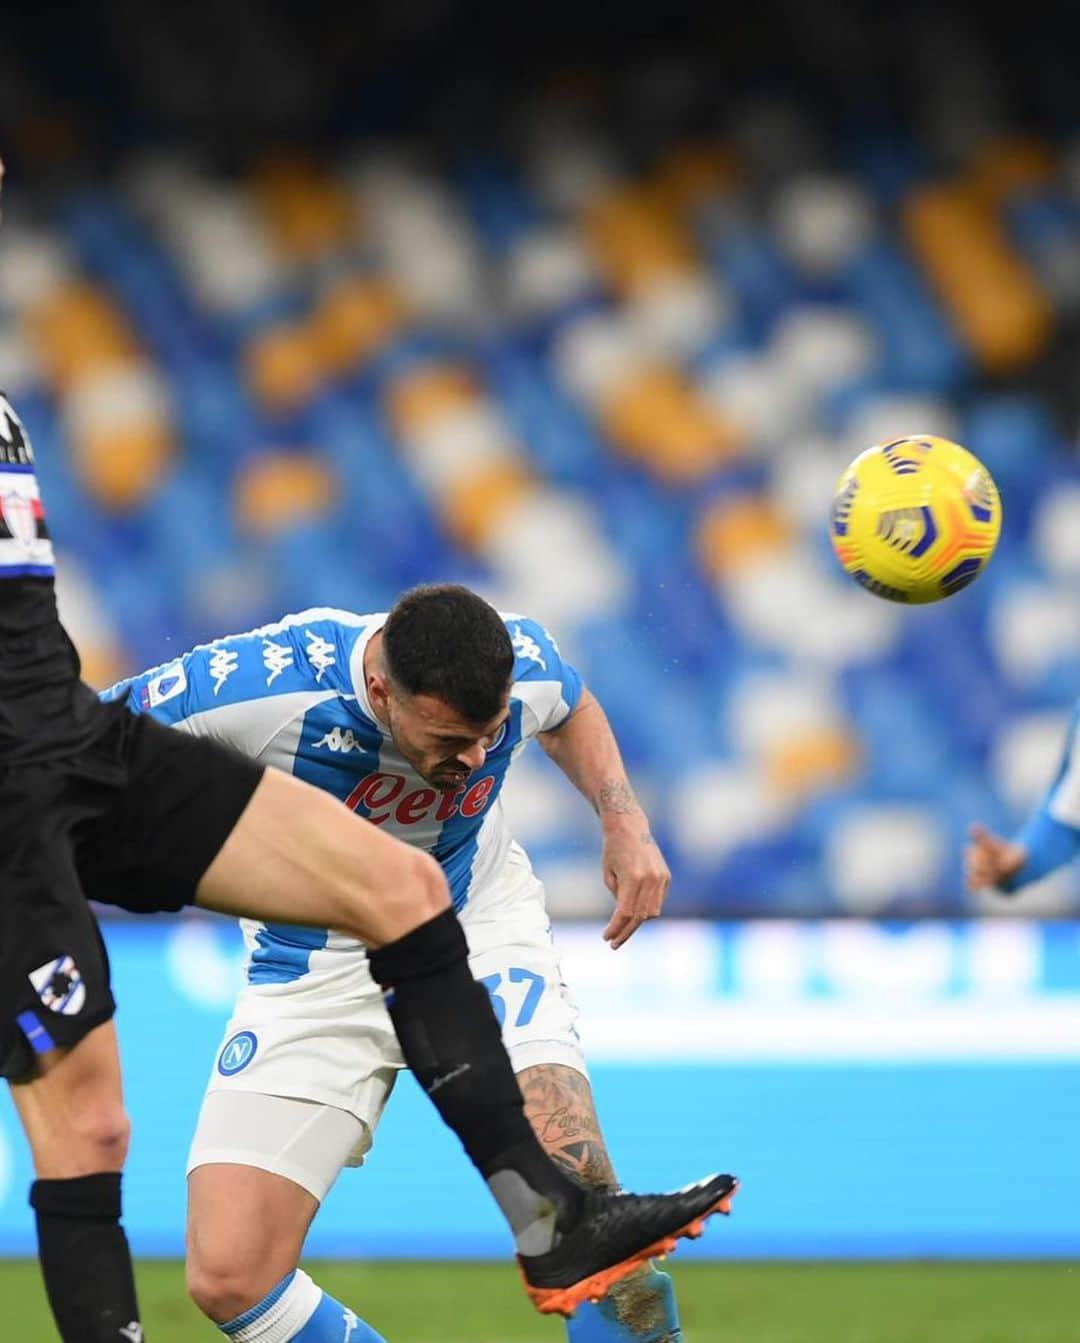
[(1048, 840), (585, 749)]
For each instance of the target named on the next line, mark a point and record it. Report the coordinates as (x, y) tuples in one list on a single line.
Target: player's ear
[(378, 688)]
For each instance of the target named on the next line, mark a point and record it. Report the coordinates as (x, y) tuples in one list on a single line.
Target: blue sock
[(297, 1310), (335, 1323), (641, 1309)]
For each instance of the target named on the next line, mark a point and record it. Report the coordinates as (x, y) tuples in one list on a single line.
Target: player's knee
[(102, 1130), (220, 1284), (428, 883), (416, 890)]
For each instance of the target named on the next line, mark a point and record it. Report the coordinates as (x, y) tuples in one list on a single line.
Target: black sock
[(85, 1259), (451, 1040)]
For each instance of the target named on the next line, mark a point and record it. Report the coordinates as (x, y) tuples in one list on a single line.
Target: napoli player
[(1048, 840), (413, 720), (96, 802)]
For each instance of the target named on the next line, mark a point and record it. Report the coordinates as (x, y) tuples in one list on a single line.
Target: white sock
[(280, 1315)]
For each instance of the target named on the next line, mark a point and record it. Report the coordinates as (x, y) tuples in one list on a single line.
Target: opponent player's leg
[(59, 1054), (71, 1107), (247, 1219), (641, 1308), (73, 1113)]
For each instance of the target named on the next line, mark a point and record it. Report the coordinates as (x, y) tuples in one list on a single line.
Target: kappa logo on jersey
[(17, 515), (222, 665), (352, 1323), (384, 797), (526, 647), (236, 1053), (320, 653), (132, 1332), (166, 685), (60, 986), (276, 657), (338, 740)]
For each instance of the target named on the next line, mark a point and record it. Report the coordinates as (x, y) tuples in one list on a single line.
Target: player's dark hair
[(441, 639)]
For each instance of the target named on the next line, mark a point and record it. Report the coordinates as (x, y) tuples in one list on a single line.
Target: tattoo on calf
[(559, 1105)]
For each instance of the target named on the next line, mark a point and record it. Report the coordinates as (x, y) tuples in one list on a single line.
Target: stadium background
[(303, 308)]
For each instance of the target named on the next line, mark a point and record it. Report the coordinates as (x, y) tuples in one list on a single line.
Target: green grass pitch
[(721, 1303)]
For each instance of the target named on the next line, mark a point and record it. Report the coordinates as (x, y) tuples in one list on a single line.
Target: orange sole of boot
[(565, 1300)]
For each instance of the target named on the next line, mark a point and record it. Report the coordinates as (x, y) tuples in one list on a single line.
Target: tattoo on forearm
[(616, 795), (559, 1106)]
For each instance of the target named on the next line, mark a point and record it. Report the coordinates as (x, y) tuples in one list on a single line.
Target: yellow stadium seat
[(120, 464), (354, 319), (735, 534), (278, 490), (284, 366), (1004, 167), (102, 664), (657, 419), (476, 501), (694, 172), (636, 241), (813, 762), (995, 300), (308, 212), (78, 331), (428, 392)]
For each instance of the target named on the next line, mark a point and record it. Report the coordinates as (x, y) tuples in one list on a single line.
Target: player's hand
[(636, 875), (990, 860)]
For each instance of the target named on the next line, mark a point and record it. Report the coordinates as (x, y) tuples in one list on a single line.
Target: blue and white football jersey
[(1051, 834), (293, 695)]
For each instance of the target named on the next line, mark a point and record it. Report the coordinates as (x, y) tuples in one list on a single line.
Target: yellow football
[(916, 519)]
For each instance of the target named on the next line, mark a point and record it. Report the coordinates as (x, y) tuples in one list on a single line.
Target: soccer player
[(1048, 840), (96, 802), (411, 719)]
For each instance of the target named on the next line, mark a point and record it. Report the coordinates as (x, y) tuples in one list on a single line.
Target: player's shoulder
[(536, 652)]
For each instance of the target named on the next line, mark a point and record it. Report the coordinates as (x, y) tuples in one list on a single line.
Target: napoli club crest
[(17, 513), (237, 1052), (60, 986)]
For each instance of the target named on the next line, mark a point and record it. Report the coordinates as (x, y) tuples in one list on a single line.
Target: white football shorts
[(326, 1040)]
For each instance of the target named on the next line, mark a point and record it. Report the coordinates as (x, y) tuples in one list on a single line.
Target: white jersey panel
[(265, 729)]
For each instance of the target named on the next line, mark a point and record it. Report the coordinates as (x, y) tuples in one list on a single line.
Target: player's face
[(441, 746)]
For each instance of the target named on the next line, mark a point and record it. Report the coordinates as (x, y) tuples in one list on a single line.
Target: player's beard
[(443, 775), (448, 775)]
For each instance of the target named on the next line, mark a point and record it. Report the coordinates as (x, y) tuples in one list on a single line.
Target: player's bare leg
[(298, 856), (72, 1109), (248, 1218), (559, 1106), (246, 1228)]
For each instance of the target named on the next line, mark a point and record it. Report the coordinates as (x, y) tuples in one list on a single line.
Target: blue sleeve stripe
[(1050, 845), (572, 686)]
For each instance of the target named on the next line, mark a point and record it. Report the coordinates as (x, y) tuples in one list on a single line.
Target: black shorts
[(134, 819)]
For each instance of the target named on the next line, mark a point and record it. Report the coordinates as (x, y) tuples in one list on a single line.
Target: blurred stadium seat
[(611, 382)]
